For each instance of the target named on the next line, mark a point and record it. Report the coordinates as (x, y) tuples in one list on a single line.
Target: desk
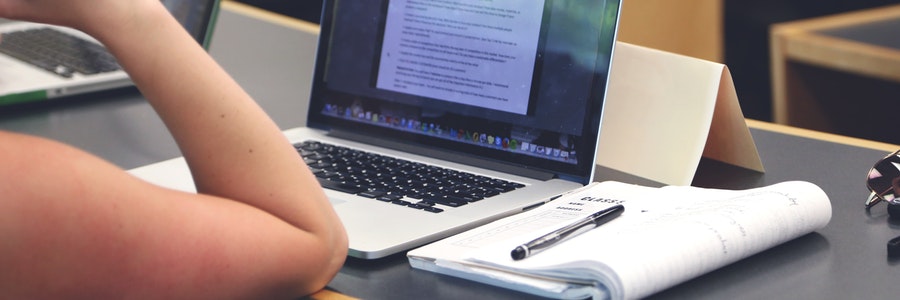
[(845, 260), (839, 73)]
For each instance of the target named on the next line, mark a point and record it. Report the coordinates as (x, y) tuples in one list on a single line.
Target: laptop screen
[(517, 82), (195, 15)]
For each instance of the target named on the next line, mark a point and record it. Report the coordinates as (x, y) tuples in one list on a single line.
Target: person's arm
[(260, 226)]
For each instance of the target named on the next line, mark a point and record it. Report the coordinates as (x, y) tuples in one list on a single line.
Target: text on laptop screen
[(510, 80)]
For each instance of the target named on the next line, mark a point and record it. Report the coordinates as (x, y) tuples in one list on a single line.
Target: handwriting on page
[(728, 220), (719, 228)]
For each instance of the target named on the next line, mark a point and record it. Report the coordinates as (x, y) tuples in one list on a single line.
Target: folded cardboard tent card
[(665, 111)]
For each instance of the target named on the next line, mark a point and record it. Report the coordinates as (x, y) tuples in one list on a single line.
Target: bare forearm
[(234, 150)]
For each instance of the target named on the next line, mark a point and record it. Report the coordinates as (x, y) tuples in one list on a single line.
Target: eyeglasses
[(884, 183)]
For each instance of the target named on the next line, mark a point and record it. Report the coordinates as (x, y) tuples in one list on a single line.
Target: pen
[(559, 235)]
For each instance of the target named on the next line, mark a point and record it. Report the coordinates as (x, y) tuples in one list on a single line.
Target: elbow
[(340, 247), (331, 256)]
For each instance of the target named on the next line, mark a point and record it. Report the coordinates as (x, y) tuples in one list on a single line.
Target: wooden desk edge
[(841, 20), (840, 54), (269, 16), (834, 138), (327, 294)]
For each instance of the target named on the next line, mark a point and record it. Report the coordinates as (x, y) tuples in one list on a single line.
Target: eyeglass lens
[(884, 179)]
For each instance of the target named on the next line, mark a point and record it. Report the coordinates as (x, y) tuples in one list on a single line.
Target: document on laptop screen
[(520, 83), (453, 51)]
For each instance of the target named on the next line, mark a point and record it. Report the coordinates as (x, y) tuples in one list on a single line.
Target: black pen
[(550, 239)]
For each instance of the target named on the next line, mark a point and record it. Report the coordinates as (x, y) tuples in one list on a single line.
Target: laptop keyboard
[(397, 181), (58, 52)]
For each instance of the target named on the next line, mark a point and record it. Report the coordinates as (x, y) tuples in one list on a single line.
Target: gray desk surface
[(847, 259)]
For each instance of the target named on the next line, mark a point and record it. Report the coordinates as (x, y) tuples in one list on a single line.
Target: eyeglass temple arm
[(874, 198)]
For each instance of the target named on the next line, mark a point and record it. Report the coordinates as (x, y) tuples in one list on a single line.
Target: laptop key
[(372, 193), (447, 200), (401, 202), (337, 186), (388, 198), (432, 209)]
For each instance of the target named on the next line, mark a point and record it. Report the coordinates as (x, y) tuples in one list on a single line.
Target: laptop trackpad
[(336, 198)]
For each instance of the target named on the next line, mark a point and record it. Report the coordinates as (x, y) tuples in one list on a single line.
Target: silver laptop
[(39, 61), (501, 100)]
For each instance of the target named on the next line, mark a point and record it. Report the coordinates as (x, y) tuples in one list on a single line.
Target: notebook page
[(673, 234)]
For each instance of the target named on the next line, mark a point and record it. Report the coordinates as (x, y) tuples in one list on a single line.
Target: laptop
[(39, 61), (510, 93)]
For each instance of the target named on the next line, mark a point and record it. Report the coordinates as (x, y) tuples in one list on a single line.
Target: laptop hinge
[(444, 155)]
